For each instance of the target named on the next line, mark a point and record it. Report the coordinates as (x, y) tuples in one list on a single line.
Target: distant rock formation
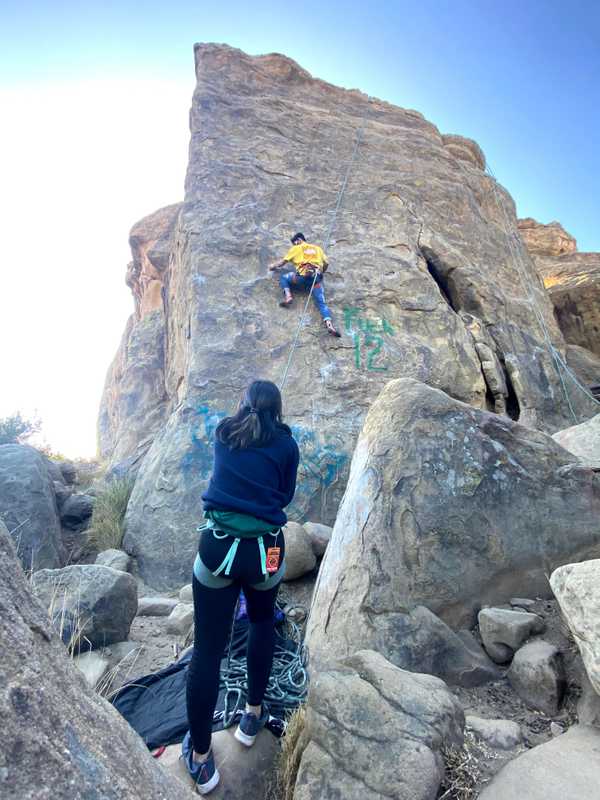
[(571, 278), (423, 284)]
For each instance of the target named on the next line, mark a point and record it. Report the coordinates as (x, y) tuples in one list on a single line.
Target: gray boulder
[(62, 741), (28, 506), (503, 631), (577, 589), (447, 507), (501, 734), (565, 768), (319, 536), (115, 559), (186, 594), (68, 471), (537, 675), (583, 441), (88, 603), (588, 705), (245, 772), (156, 606), (76, 511), (299, 554), (180, 619), (374, 730)]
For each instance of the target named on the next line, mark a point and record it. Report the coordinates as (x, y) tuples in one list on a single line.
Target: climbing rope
[(559, 363), (327, 240), (288, 681)]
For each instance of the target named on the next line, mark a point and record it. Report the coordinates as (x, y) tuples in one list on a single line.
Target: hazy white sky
[(79, 164)]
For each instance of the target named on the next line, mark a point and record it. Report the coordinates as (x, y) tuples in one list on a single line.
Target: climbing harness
[(560, 365), (327, 239)]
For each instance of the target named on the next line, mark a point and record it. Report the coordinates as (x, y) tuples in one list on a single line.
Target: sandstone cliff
[(571, 278), (429, 279)]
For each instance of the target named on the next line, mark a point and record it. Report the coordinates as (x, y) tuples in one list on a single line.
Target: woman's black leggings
[(213, 614)]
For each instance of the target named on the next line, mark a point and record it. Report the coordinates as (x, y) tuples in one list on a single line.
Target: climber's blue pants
[(291, 280)]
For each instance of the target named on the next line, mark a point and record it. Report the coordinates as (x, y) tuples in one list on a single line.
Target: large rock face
[(423, 283), (61, 741), (28, 506), (446, 507), (134, 398), (571, 278)]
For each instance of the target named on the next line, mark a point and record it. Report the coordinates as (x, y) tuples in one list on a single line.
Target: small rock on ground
[(180, 619), (93, 665), (537, 676), (504, 631), (156, 606), (501, 734), (116, 559), (186, 595)]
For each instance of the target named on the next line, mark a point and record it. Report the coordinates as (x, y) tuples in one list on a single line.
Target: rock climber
[(241, 547), (310, 263)]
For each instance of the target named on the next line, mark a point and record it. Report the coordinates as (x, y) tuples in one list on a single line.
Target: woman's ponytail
[(257, 420)]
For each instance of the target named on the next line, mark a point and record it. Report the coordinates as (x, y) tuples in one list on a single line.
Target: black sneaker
[(250, 725), (205, 775)]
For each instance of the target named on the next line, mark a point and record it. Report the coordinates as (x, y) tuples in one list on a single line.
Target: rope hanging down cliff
[(337, 207)]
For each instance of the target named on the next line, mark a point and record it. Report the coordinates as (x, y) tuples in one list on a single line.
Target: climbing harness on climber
[(310, 264)]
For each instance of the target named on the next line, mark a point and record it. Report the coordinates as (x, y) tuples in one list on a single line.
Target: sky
[(94, 102)]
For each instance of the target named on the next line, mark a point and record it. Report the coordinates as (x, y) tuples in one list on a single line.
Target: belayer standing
[(310, 263), (241, 547)]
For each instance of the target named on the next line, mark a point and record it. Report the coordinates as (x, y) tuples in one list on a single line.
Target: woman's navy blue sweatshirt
[(259, 481)]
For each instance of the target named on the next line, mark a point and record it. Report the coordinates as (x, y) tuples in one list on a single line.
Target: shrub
[(16, 429), (107, 525)]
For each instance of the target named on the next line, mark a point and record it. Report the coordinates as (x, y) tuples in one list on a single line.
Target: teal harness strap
[(227, 562)]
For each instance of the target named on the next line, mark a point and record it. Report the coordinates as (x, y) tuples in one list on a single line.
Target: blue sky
[(94, 100), (522, 78)]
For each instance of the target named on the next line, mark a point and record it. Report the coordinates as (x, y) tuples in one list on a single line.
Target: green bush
[(107, 525), (16, 429)]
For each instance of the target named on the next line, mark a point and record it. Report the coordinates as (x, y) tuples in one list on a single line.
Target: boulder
[(365, 719), (156, 606), (88, 602), (116, 559), (93, 665), (319, 536), (588, 705), (584, 364), (28, 506), (245, 772), (68, 471), (577, 589), (522, 603), (430, 223), (504, 631), (62, 492), (537, 675), (583, 441), (546, 240), (565, 767), (299, 554), (180, 619), (501, 734), (186, 594), (447, 507), (61, 740), (76, 511)]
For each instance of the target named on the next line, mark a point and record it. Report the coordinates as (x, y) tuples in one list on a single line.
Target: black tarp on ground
[(155, 705)]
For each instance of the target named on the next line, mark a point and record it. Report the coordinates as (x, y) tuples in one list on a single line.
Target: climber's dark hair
[(298, 236), (257, 420)]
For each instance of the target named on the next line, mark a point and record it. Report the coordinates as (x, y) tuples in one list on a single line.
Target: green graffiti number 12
[(375, 340)]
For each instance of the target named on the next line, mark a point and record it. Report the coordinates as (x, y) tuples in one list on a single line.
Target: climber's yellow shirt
[(306, 253)]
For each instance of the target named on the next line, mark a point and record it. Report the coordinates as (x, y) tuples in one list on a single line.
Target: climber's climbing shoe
[(250, 725), (287, 301), (331, 329), (204, 774)]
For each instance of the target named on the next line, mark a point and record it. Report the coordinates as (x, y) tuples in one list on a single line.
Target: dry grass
[(463, 772), (107, 526), (285, 772), (69, 624), (122, 670)]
